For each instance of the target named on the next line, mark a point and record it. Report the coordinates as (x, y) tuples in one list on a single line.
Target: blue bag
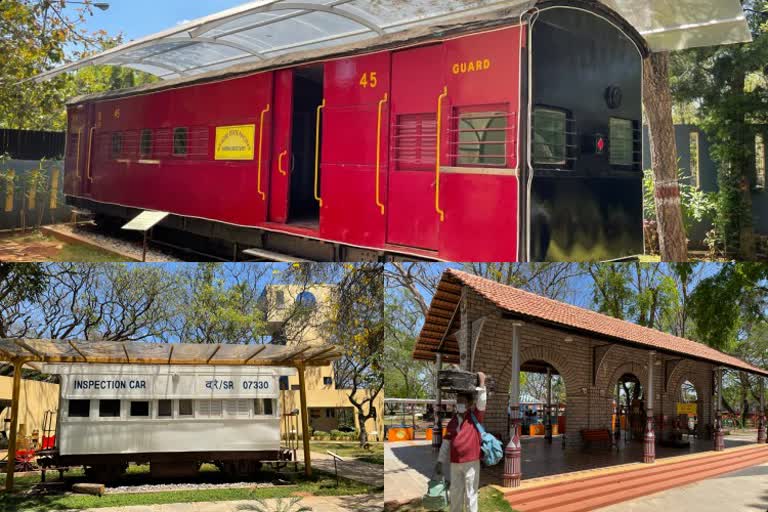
[(491, 447)]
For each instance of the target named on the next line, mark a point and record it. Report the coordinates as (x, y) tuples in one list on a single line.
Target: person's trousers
[(465, 482)]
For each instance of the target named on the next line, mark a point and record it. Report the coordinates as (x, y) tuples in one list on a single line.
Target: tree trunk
[(657, 99), (363, 433)]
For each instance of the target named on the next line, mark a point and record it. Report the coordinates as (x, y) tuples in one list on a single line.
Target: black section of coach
[(586, 209), (32, 145)]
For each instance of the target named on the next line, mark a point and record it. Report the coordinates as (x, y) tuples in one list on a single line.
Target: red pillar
[(513, 454), (719, 437), (649, 442)]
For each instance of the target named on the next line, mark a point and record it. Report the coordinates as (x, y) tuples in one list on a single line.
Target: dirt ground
[(33, 247)]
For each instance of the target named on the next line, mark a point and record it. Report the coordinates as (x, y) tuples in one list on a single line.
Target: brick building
[(485, 326)]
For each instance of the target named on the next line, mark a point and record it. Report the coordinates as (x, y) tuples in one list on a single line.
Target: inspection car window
[(622, 141), (262, 407), (549, 136), (139, 408), (185, 408), (237, 408), (145, 145), (109, 408), (209, 408), (164, 408), (180, 140), (79, 408), (482, 138)]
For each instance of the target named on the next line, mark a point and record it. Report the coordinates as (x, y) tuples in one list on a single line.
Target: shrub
[(320, 433)]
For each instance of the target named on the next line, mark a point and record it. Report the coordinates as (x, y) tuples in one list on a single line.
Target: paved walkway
[(362, 503), (742, 491), (408, 466), (365, 472)]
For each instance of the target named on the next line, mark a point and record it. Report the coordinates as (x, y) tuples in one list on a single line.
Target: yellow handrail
[(90, 152), (77, 164), (437, 171), (378, 156), (317, 154), (261, 139), (280, 162)]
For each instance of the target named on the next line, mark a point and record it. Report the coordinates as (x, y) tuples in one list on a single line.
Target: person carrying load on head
[(461, 447)]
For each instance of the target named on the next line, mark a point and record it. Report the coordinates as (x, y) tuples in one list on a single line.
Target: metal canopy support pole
[(548, 427), (11, 465), (437, 430), (761, 437), (304, 420), (649, 448), (513, 453), (719, 437)]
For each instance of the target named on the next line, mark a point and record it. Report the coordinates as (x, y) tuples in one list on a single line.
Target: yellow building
[(36, 399), (297, 316)]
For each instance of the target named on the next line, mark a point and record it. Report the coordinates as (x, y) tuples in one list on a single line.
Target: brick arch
[(552, 357), (636, 369), (680, 374)]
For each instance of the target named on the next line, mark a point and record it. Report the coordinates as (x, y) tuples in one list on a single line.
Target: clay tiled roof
[(534, 308)]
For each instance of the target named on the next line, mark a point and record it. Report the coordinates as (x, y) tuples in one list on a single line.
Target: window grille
[(415, 142)]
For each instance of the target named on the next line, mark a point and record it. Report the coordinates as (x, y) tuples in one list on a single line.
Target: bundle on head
[(460, 381)]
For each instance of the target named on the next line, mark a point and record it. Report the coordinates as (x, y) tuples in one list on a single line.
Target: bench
[(596, 435)]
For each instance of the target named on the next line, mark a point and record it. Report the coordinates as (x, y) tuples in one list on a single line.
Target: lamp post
[(99, 5)]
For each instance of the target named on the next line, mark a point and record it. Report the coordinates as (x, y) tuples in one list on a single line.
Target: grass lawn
[(490, 500), (321, 484), (352, 450)]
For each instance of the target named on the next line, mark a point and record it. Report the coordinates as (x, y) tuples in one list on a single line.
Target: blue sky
[(137, 18)]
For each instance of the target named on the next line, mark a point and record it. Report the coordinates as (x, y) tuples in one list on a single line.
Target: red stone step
[(523, 495), (594, 492)]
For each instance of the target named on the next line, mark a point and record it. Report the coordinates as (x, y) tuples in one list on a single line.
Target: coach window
[(185, 408), (482, 137), (117, 144), (109, 408), (550, 136), (164, 408), (139, 409), (180, 141), (145, 145), (209, 408), (415, 142), (79, 408), (622, 142)]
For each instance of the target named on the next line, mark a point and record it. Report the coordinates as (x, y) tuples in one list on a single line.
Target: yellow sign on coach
[(235, 142), (689, 409)]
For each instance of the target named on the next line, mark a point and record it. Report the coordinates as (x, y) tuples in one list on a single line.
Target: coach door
[(417, 88), (283, 161)]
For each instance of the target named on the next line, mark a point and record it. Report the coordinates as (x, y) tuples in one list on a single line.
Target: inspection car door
[(417, 87)]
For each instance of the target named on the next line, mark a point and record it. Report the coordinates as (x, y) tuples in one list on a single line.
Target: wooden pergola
[(30, 352)]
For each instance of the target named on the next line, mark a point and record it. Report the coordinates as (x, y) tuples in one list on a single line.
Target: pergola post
[(513, 453), (719, 437), (12, 438), (548, 420), (437, 430), (761, 437), (304, 420), (649, 447)]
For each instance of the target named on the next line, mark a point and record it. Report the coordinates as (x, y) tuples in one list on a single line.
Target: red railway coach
[(509, 135)]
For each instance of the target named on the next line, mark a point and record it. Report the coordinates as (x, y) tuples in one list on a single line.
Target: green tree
[(37, 35), (221, 307), (728, 85)]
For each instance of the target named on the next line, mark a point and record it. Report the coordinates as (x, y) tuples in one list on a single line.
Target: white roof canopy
[(266, 29)]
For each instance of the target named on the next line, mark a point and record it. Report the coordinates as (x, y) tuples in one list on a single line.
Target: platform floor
[(409, 465)]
